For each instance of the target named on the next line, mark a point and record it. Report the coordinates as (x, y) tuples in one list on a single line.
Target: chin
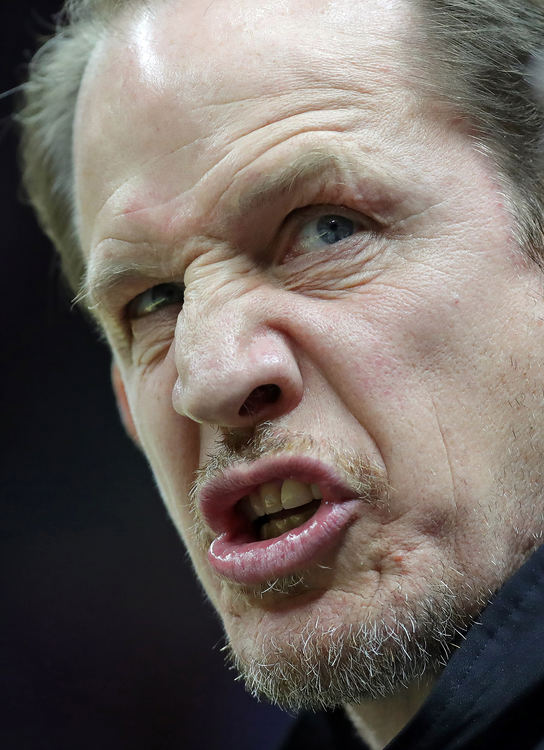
[(300, 644)]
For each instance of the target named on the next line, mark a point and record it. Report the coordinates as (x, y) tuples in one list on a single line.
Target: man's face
[(356, 317)]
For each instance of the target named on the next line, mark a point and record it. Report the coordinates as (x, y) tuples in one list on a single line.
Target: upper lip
[(219, 496)]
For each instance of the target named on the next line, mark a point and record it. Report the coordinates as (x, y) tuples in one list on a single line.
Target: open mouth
[(278, 507), (275, 517)]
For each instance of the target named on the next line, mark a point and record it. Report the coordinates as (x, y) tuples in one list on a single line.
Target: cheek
[(414, 364), (169, 441)]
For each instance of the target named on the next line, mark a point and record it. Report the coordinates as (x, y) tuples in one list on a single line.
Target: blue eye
[(155, 298), (332, 228), (327, 229)]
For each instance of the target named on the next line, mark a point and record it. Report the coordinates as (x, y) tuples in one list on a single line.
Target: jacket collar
[(498, 669)]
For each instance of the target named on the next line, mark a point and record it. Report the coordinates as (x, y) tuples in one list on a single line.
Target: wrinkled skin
[(415, 342)]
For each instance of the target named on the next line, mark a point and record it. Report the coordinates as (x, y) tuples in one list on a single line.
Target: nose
[(236, 364)]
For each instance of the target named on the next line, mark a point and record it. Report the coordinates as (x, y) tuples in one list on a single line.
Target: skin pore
[(263, 199)]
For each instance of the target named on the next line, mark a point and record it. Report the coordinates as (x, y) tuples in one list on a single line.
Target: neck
[(378, 721)]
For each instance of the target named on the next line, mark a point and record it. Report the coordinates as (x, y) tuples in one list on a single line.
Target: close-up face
[(325, 339)]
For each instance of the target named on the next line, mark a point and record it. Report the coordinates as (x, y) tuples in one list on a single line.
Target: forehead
[(190, 43), (176, 90)]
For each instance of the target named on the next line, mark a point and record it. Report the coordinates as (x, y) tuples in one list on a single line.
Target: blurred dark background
[(106, 639)]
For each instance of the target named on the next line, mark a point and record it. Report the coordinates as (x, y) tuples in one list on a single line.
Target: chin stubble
[(321, 667)]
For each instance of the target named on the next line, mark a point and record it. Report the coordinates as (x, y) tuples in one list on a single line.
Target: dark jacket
[(489, 697)]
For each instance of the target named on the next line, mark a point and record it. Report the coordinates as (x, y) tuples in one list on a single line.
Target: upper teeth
[(272, 497)]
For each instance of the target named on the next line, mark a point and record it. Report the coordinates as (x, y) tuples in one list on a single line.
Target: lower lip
[(248, 562)]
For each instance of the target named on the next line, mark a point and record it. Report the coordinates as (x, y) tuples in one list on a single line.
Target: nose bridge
[(235, 366), (213, 333)]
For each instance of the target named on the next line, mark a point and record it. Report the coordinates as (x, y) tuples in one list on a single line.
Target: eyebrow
[(104, 275), (306, 167)]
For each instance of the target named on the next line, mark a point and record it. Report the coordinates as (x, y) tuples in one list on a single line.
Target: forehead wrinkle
[(104, 275), (305, 168), (332, 84)]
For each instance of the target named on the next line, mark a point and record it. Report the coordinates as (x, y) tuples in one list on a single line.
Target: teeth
[(271, 497), (294, 494), (278, 526), (255, 508), (275, 528)]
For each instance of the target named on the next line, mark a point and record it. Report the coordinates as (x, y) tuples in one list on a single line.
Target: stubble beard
[(320, 666)]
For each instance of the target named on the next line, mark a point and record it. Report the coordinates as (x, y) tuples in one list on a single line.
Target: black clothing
[(489, 697), (323, 731)]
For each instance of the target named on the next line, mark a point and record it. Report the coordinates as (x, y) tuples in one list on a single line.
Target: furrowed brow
[(104, 276), (305, 168)]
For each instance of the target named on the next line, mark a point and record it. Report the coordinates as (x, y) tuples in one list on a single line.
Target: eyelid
[(350, 213), (305, 215), (131, 310), (300, 217)]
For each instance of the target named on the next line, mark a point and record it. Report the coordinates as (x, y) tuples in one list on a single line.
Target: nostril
[(263, 395)]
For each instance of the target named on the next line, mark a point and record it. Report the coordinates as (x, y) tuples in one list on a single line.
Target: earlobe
[(122, 403)]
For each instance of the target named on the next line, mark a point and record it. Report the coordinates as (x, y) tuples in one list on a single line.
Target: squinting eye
[(153, 299), (327, 229)]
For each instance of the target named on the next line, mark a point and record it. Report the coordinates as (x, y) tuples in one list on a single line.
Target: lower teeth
[(277, 526)]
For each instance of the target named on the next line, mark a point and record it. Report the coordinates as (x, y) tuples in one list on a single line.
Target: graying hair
[(46, 117), (480, 56), (487, 63)]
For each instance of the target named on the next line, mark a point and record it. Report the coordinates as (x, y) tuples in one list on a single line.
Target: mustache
[(365, 478)]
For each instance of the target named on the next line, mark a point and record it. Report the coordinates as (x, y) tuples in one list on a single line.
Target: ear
[(122, 403)]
